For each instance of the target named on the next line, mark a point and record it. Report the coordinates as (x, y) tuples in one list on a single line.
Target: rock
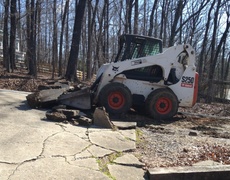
[(69, 112), (111, 140), (56, 116), (126, 167), (84, 121), (32, 100), (44, 98), (192, 133), (61, 106), (124, 125), (101, 118)]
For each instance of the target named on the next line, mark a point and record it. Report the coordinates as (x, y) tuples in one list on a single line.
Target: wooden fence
[(46, 68)]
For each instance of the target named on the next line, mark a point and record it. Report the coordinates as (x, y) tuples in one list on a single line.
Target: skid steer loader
[(143, 77)]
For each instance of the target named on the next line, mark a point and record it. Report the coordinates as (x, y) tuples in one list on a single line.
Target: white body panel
[(170, 58)]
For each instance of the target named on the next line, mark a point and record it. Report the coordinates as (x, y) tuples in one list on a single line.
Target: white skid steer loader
[(144, 78)]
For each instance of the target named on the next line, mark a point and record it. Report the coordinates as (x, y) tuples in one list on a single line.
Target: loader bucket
[(78, 99)]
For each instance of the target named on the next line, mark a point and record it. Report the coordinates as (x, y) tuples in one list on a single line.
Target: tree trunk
[(144, 17), (221, 77), (99, 59), (13, 26), (89, 52), (31, 39), (120, 18), (91, 23), (61, 37), (66, 40), (150, 33), (204, 45), (226, 73), (73, 58), (5, 37), (136, 18), (38, 31), (178, 14), (215, 52), (128, 16), (19, 27), (55, 45), (164, 16), (106, 28)]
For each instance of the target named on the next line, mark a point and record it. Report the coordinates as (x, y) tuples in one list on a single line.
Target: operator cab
[(134, 46)]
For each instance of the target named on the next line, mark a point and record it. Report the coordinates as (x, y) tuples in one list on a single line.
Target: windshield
[(132, 47)]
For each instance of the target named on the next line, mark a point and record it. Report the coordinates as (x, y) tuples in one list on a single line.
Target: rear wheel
[(161, 104), (116, 98)]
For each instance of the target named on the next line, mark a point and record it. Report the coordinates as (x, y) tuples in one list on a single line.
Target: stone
[(65, 144), (90, 163), (69, 112), (101, 118), (192, 133), (129, 133), (82, 120), (99, 152), (124, 125), (112, 140), (56, 116), (55, 168), (128, 159), (127, 163)]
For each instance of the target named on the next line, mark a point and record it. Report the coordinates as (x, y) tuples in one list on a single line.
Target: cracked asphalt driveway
[(33, 148)]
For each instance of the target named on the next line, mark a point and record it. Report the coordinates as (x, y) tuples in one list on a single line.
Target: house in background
[(19, 55)]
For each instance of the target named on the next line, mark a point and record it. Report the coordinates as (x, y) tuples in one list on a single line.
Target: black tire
[(116, 98), (161, 104)]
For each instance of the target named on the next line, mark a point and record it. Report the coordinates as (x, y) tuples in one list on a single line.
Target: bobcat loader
[(143, 77)]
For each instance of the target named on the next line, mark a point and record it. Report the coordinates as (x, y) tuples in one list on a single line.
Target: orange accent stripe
[(195, 92)]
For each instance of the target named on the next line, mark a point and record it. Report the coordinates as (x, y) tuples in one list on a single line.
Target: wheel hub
[(162, 105), (115, 99)]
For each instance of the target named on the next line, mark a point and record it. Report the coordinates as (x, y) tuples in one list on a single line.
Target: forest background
[(71, 35)]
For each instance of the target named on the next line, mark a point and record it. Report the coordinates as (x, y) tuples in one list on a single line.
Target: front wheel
[(116, 98), (161, 104)]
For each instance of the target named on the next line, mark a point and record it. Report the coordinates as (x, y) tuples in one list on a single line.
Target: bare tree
[(179, 8), (99, 58), (151, 18), (73, 59), (91, 24), (55, 43), (13, 23), (204, 44), (136, 18), (61, 36), (31, 38), (128, 15), (5, 37), (38, 29), (164, 19), (215, 51)]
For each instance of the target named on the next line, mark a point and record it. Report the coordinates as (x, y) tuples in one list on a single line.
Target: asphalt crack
[(32, 159), (8, 163), (20, 164), (44, 142)]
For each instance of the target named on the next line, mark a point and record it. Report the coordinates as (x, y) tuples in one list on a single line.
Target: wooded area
[(83, 34)]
